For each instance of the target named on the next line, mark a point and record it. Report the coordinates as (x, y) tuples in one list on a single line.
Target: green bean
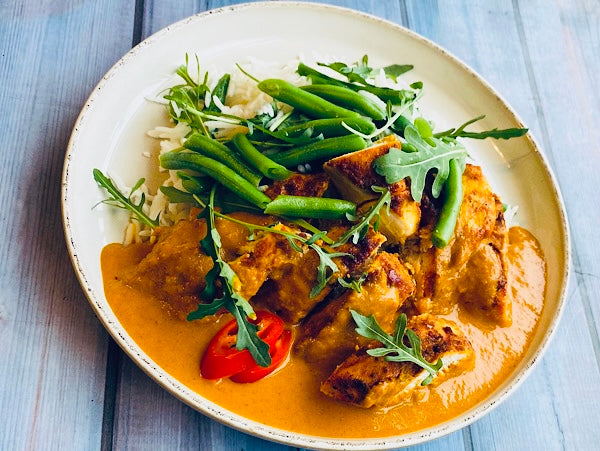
[(395, 96), (453, 189), (347, 98), (220, 92), (310, 104), (310, 207), (320, 150), (220, 152), (400, 124), (325, 80), (194, 184), (318, 77), (230, 202), (333, 127), (218, 171), (386, 94), (265, 165)]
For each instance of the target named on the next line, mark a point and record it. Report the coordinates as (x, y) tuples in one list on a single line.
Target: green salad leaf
[(360, 71), (325, 262), (358, 231), (495, 133), (397, 164), (393, 71), (394, 348), (327, 266), (354, 283), (118, 199)]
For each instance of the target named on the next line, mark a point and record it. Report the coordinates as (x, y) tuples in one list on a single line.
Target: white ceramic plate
[(110, 134)]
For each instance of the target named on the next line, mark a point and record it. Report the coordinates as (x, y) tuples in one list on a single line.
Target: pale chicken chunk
[(353, 175), (328, 336), (367, 381)]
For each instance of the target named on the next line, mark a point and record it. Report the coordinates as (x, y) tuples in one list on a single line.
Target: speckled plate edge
[(238, 422)]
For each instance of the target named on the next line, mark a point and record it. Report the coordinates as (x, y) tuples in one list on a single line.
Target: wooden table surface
[(66, 385)]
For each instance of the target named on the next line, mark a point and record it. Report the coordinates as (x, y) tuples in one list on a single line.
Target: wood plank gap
[(468, 438), (531, 77), (404, 13), (587, 308), (555, 410), (113, 363), (579, 275), (138, 22)]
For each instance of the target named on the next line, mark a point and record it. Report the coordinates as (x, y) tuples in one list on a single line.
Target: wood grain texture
[(53, 361), (57, 390), (569, 104)]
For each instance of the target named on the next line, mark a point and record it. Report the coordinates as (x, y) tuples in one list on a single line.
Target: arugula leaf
[(118, 199), (360, 71), (395, 70), (396, 165), (495, 133), (177, 196), (357, 72), (189, 95), (325, 263), (302, 139), (394, 349), (358, 231), (221, 272), (354, 284), (183, 72)]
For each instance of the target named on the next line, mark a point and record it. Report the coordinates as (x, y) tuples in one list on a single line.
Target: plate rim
[(236, 421)]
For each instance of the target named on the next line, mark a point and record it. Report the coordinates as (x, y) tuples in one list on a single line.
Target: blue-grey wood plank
[(150, 418), (52, 363), (567, 95), (567, 92)]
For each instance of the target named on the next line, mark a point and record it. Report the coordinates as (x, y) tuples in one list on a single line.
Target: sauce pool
[(290, 398)]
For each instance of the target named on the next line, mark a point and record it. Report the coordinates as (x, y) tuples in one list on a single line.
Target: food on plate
[(314, 236), (367, 379)]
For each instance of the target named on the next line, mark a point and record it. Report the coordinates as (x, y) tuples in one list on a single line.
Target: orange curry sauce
[(290, 399)]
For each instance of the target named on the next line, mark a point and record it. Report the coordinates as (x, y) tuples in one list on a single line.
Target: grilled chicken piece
[(368, 381), (472, 266), (262, 258), (484, 281), (287, 292), (353, 176), (312, 185), (175, 268), (328, 336)]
